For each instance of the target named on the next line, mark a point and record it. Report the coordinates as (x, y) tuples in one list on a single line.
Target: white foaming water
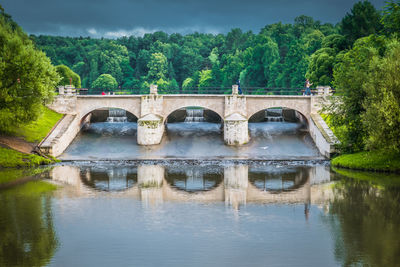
[(117, 115), (202, 140), (194, 115)]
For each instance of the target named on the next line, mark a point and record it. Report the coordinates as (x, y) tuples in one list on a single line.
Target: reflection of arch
[(207, 181), (296, 178), (112, 179)]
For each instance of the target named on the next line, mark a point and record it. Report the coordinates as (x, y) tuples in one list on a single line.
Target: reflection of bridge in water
[(233, 184)]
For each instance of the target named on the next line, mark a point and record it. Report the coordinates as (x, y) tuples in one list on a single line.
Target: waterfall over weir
[(194, 115), (273, 115), (117, 115)]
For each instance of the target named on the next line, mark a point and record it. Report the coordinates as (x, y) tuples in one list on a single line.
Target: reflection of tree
[(27, 237), (366, 224)]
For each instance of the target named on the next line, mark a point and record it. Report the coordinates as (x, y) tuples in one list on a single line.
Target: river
[(184, 203)]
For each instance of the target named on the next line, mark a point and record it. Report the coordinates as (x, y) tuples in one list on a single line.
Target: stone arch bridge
[(152, 111)]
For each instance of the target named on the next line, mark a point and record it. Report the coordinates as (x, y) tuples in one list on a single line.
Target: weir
[(153, 110)]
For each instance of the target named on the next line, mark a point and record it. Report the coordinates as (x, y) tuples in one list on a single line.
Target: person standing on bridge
[(307, 85), (239, 89)]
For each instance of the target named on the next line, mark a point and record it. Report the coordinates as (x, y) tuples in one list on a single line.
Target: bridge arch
[(210, 113), (88, 104), (303, 117), (128, 113), (215, 104), (297, 103)]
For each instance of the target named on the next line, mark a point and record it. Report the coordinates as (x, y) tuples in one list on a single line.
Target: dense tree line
[(277, 57)]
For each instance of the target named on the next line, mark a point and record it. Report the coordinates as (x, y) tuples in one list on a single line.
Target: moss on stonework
[(150, 124), (153, 184)]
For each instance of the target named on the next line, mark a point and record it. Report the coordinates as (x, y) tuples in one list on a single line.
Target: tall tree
[(68, 76), (105, 81), (27, 78), (158, 67), (363, 20)]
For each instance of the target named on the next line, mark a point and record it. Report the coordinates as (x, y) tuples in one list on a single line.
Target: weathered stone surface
[(235, 104), (322, 135), (62, 135), (151, 104), (236, 130), (150, 130)]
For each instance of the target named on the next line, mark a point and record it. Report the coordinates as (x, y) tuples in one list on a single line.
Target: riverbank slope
[(17, 145), (369, 161)]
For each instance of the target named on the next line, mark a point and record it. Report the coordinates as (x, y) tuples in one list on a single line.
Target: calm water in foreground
[(199, 214)]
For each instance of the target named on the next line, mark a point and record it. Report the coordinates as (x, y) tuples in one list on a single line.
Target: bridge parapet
[(151, 104)]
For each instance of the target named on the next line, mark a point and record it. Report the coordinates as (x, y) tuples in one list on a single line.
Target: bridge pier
[(151, 125), (150, 130), (235, 122)]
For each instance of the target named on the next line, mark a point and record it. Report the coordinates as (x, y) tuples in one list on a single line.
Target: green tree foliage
[(391, 17), (66, 74), (363, 20), (350, 75), (27, 78), (158, 67), (382, 104), (105, 81), (205, 80)]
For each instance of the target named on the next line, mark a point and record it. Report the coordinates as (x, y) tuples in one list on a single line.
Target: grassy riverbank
[(35, 131), (19, 141), (366, 160), (13, 158), (369, 161)]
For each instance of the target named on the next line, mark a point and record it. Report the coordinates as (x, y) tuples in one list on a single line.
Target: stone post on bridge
[(235, 119), (151, 125)]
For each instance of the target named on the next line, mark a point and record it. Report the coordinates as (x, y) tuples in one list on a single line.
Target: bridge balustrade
[(204, 91)]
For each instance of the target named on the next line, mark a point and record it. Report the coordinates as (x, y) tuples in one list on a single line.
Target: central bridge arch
[(173, 102)]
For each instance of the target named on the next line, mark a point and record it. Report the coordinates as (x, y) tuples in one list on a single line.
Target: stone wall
[(322, 135)]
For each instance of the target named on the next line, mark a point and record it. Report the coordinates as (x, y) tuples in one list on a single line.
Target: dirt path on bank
[(17, 143)]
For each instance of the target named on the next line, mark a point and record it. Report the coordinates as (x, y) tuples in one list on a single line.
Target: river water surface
[(205, 212)]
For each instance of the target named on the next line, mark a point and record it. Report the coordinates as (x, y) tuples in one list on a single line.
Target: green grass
[(369, 161), (12, 158), (36, 130)]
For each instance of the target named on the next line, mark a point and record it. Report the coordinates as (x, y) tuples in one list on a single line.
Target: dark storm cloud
[(113, 18)]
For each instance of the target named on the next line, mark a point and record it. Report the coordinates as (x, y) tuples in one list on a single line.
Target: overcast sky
[(115, 18)]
